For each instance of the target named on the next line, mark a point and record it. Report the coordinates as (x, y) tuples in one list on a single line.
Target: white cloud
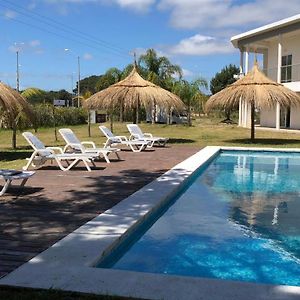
[(87, 56), (187, 73), (32, 46), (201, 45), (9, 14), (34, 43), (136, 5), (192, 14)]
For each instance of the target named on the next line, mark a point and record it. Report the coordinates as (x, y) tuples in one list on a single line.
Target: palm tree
[(158, 68), (189, 92)]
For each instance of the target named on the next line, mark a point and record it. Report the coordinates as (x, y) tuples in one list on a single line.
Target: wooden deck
[(55, 203)]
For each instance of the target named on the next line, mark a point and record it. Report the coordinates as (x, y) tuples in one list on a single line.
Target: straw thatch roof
[(132, 92), (255, 88), (13, 102)]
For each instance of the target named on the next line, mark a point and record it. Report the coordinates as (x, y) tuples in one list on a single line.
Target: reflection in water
[(238, 220)]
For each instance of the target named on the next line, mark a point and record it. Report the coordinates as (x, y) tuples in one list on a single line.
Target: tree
[(189, 92), (34, 95), (87, 84), (157, 69), (111, 76), (221, 80)]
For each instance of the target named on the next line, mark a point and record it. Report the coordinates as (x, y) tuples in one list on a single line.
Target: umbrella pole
[(154, 113), (252, 122), (89, 123), (137, 113), (14, 134), (121, 113), (111, 122)]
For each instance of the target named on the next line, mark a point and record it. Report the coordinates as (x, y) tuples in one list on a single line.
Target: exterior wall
[(295, 117), (290, 45), (268, 118)]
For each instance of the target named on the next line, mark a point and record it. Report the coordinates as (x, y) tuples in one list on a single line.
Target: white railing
[(288, 73)]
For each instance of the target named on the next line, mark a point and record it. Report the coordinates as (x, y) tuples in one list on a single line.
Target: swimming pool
[(236, 219)]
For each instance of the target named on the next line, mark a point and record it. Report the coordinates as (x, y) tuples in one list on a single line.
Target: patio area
[(55, 203)]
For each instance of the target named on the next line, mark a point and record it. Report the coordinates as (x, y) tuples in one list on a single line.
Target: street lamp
[(78, 68), (17, 68)]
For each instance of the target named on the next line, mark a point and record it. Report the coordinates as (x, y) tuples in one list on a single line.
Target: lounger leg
[(118, 156), (106, 157), (107, 144), (5, 187), (30, 160), (24, 181), (86, 165), (151, 144), (132, 148)]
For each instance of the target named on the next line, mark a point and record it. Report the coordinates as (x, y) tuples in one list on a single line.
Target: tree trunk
[(111, 118), (189, 114), (55, 128), (14, 134), (89, 123), (252, 122)]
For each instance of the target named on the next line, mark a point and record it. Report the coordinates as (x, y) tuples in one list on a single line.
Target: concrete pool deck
[(69, 264)]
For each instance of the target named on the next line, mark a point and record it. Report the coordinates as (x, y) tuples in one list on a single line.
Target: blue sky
[(193, 33)]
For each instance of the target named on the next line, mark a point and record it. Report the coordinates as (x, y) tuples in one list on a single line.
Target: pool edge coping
[(68, 264)]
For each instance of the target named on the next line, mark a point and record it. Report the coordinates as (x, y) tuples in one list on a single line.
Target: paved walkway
[(55, 203)]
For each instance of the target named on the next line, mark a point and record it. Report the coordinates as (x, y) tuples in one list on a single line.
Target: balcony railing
[(289, 73)]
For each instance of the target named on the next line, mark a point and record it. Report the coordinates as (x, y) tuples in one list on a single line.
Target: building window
[(286, 68)]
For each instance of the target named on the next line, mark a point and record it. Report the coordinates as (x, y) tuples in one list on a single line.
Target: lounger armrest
[(148, 134), (122, 138), (89, 143), (53, 149)]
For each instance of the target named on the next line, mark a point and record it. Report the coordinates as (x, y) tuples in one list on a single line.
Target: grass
[(204, 132)]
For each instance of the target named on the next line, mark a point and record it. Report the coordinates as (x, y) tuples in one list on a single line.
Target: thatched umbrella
[(13, 104), (256, 89), (131, 93)]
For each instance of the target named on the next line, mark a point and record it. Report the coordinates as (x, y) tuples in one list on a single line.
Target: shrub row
[(48, 116)]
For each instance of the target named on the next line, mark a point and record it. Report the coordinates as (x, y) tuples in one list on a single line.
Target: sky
[(194, 34)]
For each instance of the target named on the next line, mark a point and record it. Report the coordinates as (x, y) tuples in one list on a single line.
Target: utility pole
[(78, 87), (18, 72)]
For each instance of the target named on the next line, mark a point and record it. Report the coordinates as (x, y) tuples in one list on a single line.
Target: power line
[(41, 18), (62, 27)]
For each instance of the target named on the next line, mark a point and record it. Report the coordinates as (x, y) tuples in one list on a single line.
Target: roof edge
[(269, 27)]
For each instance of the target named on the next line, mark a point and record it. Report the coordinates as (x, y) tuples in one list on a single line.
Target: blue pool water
[(239, 219)]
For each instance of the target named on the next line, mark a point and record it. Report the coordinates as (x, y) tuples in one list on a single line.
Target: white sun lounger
[(137, 134), (10, 175), (135, 145), (42, 154), (73, 143)]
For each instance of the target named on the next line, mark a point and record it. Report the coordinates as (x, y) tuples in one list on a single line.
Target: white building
[(279, 45)]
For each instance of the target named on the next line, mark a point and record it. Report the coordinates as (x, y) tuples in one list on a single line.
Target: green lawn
[(204, 132)]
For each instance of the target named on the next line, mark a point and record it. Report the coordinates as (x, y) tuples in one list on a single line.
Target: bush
[(47, 116)]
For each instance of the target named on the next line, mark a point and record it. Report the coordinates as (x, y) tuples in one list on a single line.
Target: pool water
[(238, 219)]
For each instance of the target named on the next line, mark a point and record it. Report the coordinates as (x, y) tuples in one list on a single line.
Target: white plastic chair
[(10, 175), (42, 154), (135, 145), (137, 134), (73, 143)]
